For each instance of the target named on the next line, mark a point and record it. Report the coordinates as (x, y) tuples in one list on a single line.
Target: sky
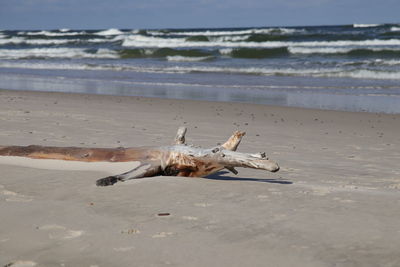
[(155, 14)]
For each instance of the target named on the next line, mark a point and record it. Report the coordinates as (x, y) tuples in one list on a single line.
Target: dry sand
[(335, 201)]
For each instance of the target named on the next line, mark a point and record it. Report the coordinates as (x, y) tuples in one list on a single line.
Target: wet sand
[(335, 201)]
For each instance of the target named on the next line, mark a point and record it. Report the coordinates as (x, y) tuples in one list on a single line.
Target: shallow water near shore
[(343, 67), (332, 94)]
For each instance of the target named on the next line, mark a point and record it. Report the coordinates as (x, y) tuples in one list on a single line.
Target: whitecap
[(318, 50), (22, 40), (336, 50), (55, 53), (152, 41), (230, 38), (395, 29), (365, 74), (13, 40), (109, 32), (187, 59), (228, 32), (365, 25)]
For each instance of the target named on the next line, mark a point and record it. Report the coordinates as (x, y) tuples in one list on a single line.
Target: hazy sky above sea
[(134, 14)]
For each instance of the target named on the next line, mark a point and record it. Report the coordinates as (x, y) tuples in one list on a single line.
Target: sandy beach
[(335, 201)]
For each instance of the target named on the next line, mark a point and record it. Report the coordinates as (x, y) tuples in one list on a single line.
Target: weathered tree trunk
[(178, 159)]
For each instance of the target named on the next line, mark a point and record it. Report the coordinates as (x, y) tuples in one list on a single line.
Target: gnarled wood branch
[(175, 160)]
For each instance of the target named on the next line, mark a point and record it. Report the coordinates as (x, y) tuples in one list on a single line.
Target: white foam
[(366, 25), (318, 50), (225, 51), (340, 71), (227, 33), (367, 74), (13, 40), (47, 33), (321, 72), (335, 50), (187, 59), (109, 32), (22, 40), (44, 66), (55, 53), (230, 38), (395, 29), (152, 41)]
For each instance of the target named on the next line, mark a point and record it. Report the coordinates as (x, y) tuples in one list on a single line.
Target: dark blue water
[(346, 67)]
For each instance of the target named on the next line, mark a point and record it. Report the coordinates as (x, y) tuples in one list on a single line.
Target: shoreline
[(334, 201), (341, 97)]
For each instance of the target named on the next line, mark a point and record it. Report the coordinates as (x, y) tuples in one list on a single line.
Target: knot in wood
[(215, 150)]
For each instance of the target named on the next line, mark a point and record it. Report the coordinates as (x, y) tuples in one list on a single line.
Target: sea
[(344, 67)]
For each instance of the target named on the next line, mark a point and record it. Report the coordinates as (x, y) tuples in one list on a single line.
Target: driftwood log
[(178, 159)]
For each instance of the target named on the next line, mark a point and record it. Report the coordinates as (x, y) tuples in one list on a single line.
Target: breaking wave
[(42, 53), (225, 32), (151, 41), (361, 51), (366, 25), (50, 34), (307, 72), (25, 41), (188, 59), (109, 32), (346, 51), (162, 52)]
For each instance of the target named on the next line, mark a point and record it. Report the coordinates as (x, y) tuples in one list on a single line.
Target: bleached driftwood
[(178, 159)]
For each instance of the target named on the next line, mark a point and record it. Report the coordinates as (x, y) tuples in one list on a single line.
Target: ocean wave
[(229, 38), (395, 29), (366, 25), (47, 66), (327, 72), (40, 53), (51, 34), (364, 74), (109, 32), (162, 53), (257, 52), (151, 41), (331, 73), (370, 63), (369, 51), (227, 32), (187, 59), (22, 40)]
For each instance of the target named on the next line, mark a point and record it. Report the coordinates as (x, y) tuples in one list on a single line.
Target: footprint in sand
[(162, 235), (13, 196), (190, 218), (123, 249), (263, 197), (343, 200), (203, 205), (60, 232), (321, 191)]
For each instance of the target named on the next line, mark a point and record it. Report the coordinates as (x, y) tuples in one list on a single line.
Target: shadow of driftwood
[(218, 176)]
